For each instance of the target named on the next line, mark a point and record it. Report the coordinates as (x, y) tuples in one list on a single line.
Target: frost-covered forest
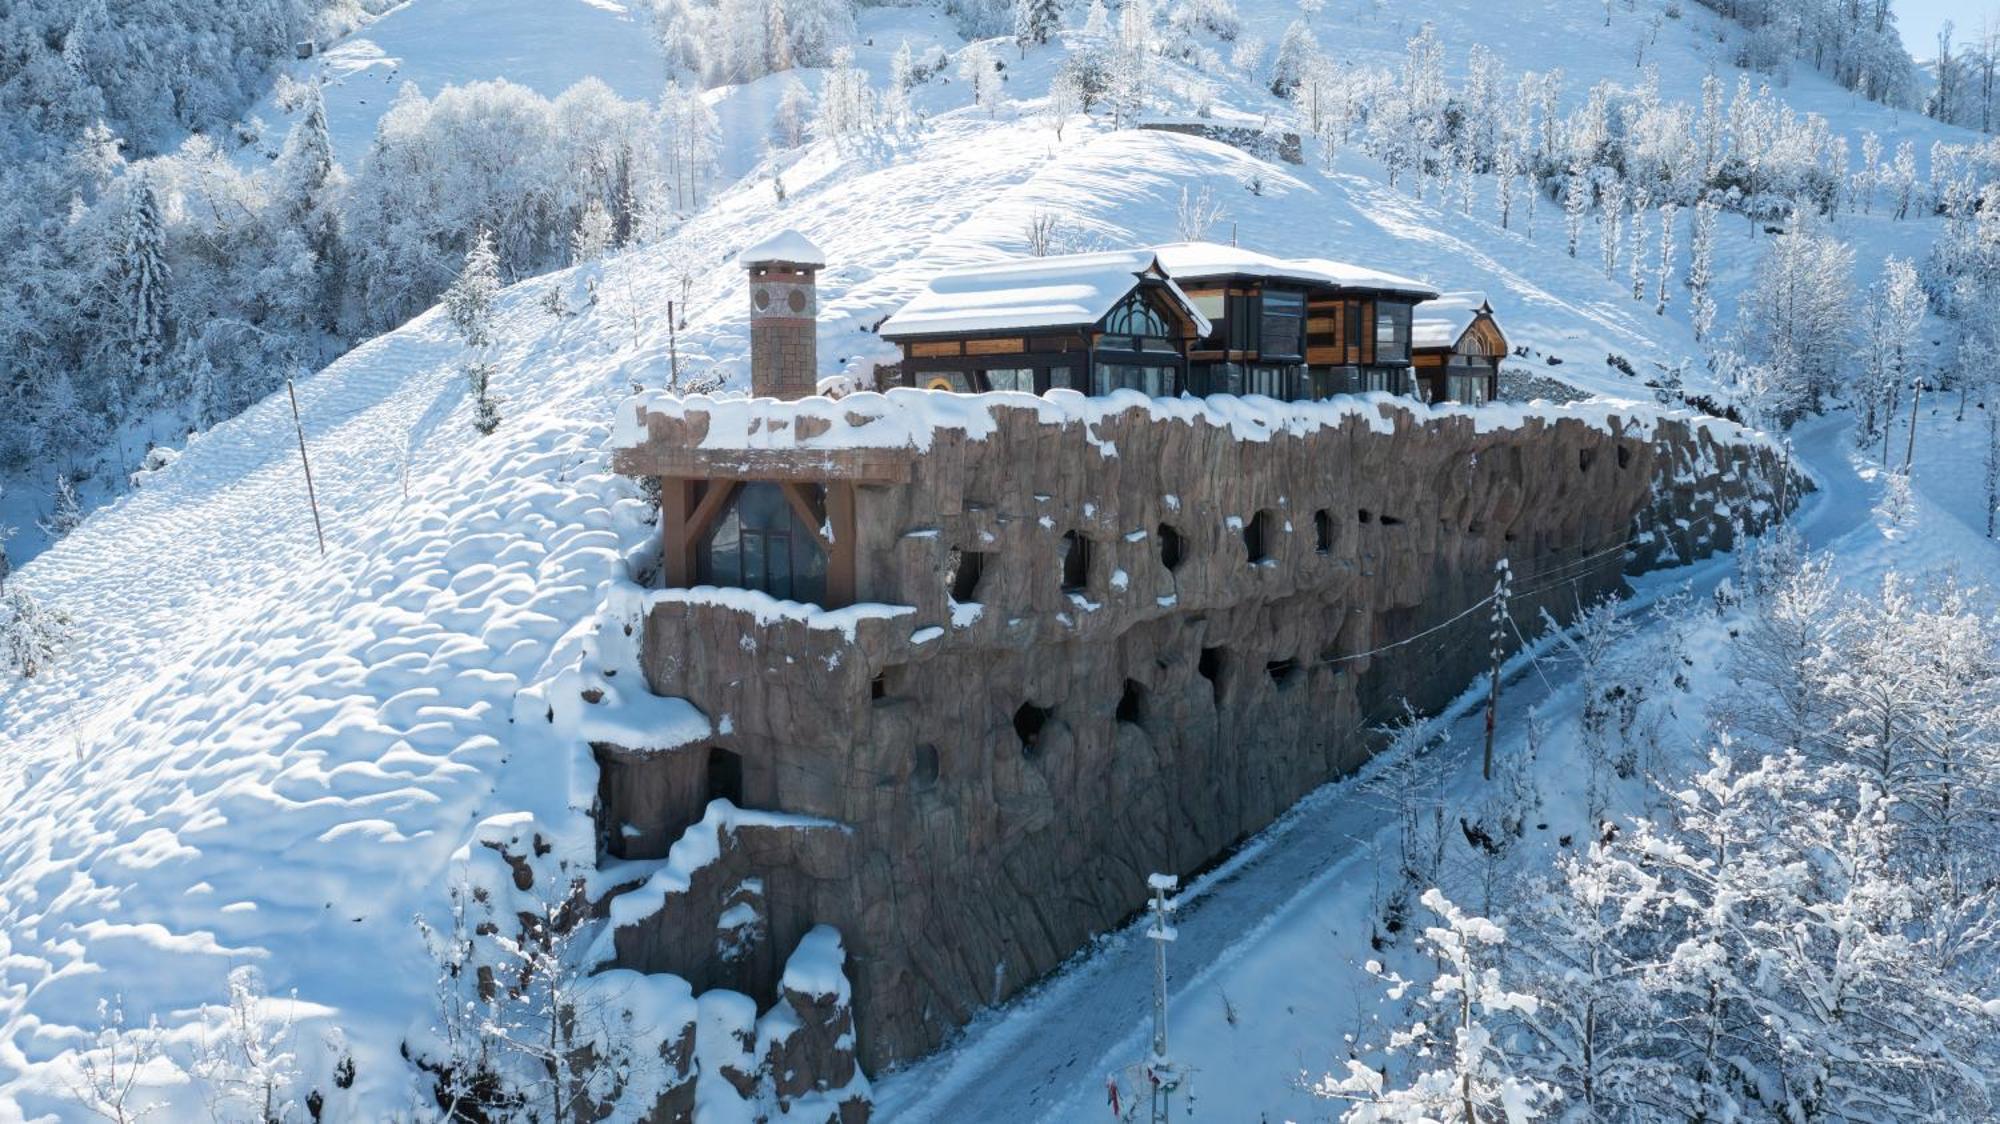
[(1736, 864)]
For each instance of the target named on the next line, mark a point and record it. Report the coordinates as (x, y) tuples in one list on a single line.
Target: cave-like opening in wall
[(725, 775)]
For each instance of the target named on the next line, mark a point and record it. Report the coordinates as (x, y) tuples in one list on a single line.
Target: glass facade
[(760, 543)]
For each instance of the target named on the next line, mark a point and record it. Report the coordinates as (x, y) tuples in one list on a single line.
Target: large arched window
[(760, 542), (1137, 318)]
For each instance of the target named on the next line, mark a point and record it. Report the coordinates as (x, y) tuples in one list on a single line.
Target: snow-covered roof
[(786, 246), (1439, 323), (1190, 261), (1064, 291)]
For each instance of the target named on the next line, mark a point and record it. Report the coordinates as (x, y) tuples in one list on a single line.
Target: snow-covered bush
[(31, 633)]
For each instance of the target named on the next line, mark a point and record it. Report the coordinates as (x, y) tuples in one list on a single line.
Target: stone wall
[(1010, 774)]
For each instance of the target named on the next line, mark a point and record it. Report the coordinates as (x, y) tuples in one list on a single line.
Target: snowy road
[(1045, 1055)]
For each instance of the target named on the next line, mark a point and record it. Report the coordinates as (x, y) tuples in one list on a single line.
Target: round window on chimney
[(761, 298), (797, 300)]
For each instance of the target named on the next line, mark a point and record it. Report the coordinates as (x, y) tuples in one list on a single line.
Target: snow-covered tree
[(468, 304), (66, 511), (1097, 21), (1893, 315), (594, 234), (1794, 316), (794, 114), (1460, 1070), (847, 108), (1576, 204), (1296, 50), (1611, 224), (249, 1065), (979, 69), (1636, 268), (32, 633), (1034, 22), (144, 282), (1701, 269), (1664, 273)]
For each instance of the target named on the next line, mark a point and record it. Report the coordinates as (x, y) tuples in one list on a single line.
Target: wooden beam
[(704, 515), (842, 555), (803, 509)]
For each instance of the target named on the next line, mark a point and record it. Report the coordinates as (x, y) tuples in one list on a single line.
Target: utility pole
[(311, 497), (1162, 1076), (1503, 588), (673, 352), (1910, 452)]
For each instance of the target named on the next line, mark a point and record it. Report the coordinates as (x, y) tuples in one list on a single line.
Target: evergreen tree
[(1034, 22), (1576, 201), (305, 185), (143, 279), (1295, 54), (67, 513), (468, 304)]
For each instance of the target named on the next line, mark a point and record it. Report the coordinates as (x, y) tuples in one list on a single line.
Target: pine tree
[(67, 513), (1296, 51), (1034, 22), (144, 279), (468, 305)]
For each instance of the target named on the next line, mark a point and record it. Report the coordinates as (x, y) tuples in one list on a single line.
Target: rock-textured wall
[(1261, 591)]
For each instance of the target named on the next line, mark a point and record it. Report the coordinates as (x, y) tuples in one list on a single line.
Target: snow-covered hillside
[(250, 754)]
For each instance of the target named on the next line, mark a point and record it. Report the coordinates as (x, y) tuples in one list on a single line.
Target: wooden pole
[(1910, 451), (673, 352), (311, 496), (1502, 589)]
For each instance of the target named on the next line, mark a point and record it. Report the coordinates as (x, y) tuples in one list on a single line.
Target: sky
[(1919, 21)]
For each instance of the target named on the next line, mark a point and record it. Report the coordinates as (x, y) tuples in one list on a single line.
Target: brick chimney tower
[(784, 347)]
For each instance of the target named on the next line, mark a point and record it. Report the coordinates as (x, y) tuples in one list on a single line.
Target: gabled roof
[(1440, 323), (1194, 261), (787, 246), (1066, 291)]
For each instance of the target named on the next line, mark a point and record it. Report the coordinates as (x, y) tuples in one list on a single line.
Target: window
[(1392, 333), (1243, 322), (1075, 563), (1283, 325), (1323, 531), (1152, 380), (962, 571), (945, 380), (759, 542), (1173, 551), (1012, 378), (1135, 325), (1466, 388), (1257, 537)]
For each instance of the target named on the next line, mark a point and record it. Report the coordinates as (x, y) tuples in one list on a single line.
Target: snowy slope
[(251, 755), (545, 45)]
